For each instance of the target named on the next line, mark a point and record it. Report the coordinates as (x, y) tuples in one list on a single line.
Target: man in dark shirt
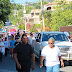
[(23, 53)]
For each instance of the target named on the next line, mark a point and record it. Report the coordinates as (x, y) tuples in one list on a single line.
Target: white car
[(61, 40)]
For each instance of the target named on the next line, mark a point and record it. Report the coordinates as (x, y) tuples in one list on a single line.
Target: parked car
[(61, 40)]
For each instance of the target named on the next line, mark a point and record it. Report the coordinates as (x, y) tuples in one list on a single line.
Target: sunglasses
[(50, 43)]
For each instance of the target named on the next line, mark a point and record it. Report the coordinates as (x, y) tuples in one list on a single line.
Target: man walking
[(23, 53)]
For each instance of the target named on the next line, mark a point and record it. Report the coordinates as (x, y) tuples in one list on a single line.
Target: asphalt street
[(8, 65)]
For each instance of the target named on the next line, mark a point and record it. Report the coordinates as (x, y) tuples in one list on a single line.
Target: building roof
[(36, 11), (50, 4), (65, 28)]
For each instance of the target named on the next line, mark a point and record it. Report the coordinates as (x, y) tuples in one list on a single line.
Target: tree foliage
[(1, 24), (22, 25), (36, 5), (16, 6), (28, 9), (33, 28), (4, 10), (47, 18), (61, 17)]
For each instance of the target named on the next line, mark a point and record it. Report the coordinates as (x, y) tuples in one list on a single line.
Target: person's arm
[(33, 61), (33, 57), (62, 63), (59, 55), (41, 61), (16, 60)]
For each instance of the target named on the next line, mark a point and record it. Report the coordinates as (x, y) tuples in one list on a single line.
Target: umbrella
[(12, 30), (3, 31)]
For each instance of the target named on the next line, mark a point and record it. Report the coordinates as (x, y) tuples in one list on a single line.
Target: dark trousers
[(28, 70), (0, 56), (24, 68), (6, 51)]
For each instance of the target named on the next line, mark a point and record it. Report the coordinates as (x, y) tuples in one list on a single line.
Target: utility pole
[(42, 16), (24, 11)]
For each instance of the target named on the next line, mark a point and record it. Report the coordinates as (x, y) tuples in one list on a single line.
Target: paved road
[(8, 65)]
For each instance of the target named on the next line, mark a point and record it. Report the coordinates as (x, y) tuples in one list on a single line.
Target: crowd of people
[(19, 46), (8, 42)]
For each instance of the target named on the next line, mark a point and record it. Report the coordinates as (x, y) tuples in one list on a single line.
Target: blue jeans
[(53, 68)]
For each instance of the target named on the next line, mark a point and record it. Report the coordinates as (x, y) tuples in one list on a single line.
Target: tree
[(16, 18), (4, 10), (33, 28), (1, 24), (47, 17), (38, 4), (22, 25), (61, 17), (16, 6), (28, 9)]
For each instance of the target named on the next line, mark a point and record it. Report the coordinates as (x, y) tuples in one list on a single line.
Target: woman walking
[(52, 56)]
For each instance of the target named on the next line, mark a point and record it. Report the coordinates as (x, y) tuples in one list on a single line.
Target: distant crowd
[(8, 42)]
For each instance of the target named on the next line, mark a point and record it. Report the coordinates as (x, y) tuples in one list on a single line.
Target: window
[(48, 8), (39, 36), (57, 37)]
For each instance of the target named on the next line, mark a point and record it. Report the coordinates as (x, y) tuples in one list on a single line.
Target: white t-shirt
[(6, 43), (51, 55)]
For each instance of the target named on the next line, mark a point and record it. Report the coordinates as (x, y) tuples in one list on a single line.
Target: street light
[(42, 16)]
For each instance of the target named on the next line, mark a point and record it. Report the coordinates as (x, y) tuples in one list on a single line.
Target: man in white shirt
[(52, 57), (31, 38)]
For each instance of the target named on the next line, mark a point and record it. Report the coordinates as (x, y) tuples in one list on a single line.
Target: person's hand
[(62, 64), (19, 66), (33, 67), (41, 65)]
